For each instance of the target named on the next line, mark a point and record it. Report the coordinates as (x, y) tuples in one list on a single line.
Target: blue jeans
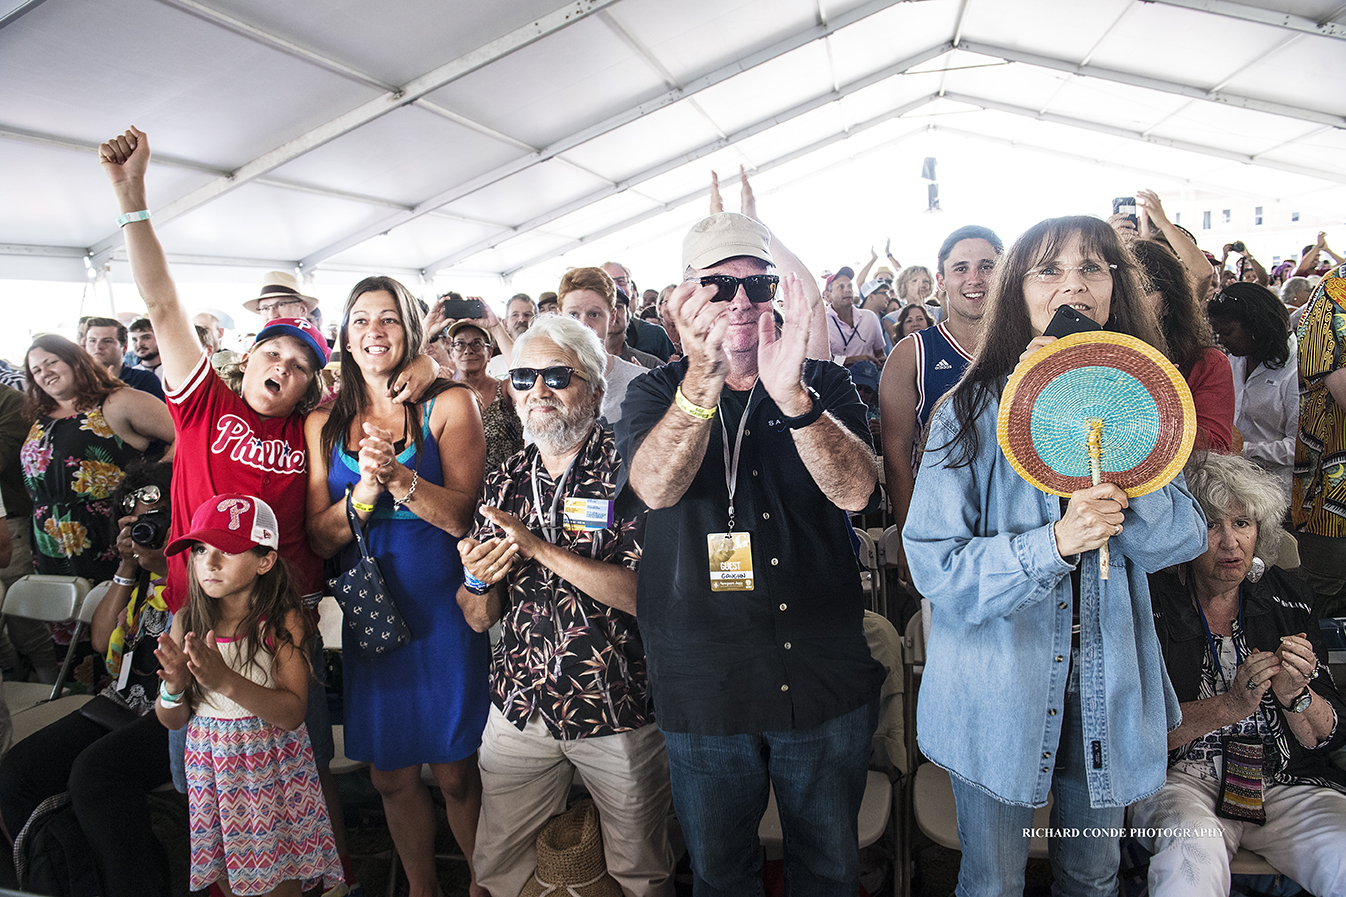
[(993, 834), (720, 789)]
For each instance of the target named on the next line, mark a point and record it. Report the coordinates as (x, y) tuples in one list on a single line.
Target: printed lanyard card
[(580, 514), (730, 561)]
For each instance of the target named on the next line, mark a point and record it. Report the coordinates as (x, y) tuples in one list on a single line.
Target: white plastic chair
[(51, 599)]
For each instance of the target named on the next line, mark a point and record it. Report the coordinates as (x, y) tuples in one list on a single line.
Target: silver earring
[(1259, 567)]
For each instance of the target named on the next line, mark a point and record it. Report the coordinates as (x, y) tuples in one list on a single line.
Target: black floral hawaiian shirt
[(578, 662)]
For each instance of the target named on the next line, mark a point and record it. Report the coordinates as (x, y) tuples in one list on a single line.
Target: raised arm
[(125, 160), (1191, 256), (786, 262), (863, 277)]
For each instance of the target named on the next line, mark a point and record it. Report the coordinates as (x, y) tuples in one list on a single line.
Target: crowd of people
[(647, 497)]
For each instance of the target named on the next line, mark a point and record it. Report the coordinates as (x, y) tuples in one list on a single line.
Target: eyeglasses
[(441, 337), (759, 288), (459, 345), (558, 377), (277, 305), (1090, 271), (150, 495)]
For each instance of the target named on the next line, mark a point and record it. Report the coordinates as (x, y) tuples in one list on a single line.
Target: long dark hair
[(1007, 328), (352, 402), (1264, 317), (93, 383), (274, 597), (1185, 330)]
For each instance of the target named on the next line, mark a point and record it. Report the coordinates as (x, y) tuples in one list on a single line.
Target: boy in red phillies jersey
[(226, 446)]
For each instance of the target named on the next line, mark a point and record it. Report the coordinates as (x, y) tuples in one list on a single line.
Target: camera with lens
[(151, 528), (1238, 246)]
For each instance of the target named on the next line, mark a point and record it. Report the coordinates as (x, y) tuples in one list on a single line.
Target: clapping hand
[(205, 662), (487, 561), (172, 665), (515, 532), (1298, 666), (780, 359), (376, 457)]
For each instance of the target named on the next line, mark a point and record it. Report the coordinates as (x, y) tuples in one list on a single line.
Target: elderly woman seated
[(1249, 765)]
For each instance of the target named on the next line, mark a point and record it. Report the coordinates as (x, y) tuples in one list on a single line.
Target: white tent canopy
[(474, 140)]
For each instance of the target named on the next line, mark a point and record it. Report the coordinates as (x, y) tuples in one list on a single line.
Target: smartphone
[(464, 308), (1067, 321), (1124, 205)]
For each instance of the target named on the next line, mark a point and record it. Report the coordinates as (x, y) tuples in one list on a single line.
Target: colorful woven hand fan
[(1097, 407)]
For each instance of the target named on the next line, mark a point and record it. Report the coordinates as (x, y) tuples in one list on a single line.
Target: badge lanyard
[(855, 329), (731, 466), (1210, 639), (550, 528)]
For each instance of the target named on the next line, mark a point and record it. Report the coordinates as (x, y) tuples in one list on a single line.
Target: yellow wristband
[(358, 505), (694, 410)]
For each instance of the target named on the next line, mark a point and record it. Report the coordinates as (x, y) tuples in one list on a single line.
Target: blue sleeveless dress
[(427, 701)]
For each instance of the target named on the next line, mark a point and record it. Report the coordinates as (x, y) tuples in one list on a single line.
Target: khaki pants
[(525, 778)]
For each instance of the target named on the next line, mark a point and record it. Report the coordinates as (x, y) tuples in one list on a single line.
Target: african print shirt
[(578, 662), (1318, 500)]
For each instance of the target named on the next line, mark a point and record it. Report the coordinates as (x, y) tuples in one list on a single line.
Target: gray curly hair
[(1224, 483)]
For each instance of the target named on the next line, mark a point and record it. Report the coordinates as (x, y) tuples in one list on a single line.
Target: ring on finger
[(1252, 685)]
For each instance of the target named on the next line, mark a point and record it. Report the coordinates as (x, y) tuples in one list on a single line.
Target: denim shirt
[(982, 548)]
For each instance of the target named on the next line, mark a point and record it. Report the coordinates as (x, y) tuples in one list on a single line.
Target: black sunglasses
[(758, 287), (523, 379)]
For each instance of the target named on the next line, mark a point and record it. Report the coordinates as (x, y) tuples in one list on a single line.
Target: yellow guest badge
[(730, 561)]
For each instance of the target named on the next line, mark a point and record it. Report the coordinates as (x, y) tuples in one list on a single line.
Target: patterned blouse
[(578, 662), (504, 430)]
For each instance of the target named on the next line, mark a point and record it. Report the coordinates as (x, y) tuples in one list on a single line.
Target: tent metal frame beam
[(1261, 16), (19, 11), (1159, 84), (366, 112), (705, 149), (1128, 134), (764, 167), (606, 126)]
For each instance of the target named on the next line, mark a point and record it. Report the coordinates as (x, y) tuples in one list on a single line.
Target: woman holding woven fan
[(410, 474), (1041, 677)]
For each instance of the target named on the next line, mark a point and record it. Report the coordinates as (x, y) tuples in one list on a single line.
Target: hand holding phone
[(1067, 321)]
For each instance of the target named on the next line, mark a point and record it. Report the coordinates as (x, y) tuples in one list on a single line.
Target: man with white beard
[(554, 561)]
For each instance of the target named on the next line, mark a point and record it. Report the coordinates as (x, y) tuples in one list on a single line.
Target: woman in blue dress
[(413, 474)]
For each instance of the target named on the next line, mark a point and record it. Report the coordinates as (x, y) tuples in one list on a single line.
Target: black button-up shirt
[(577, 661), (790, 653)]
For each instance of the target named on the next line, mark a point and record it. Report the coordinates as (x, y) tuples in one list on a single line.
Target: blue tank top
[(940, 361)]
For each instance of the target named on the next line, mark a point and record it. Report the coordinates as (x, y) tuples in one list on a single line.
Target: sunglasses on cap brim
[(558, 377), (759, 288)]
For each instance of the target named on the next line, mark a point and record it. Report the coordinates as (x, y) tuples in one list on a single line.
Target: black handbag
[(370, 614)]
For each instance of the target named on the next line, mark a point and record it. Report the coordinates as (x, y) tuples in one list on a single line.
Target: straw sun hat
[(570, 857)]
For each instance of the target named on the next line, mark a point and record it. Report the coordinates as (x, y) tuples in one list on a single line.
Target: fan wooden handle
[(1095, 445)]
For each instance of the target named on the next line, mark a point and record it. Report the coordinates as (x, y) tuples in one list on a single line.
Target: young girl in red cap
[(235, 672)]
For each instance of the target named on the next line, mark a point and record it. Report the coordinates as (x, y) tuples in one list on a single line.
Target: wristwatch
[(1299, 703), (808, 417)]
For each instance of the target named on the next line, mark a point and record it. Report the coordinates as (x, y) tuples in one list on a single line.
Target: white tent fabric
[(420, 138)]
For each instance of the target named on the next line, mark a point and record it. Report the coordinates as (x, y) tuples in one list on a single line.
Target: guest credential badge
[(581, 514), (730, 561)]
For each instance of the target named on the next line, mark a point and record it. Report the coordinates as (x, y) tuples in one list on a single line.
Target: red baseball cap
[(301, 329), (232, 522)]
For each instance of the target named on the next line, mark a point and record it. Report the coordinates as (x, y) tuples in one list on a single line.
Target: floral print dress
[(72, 466)]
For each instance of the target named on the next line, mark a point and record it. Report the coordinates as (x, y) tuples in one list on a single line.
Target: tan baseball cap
[(725, 235)]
